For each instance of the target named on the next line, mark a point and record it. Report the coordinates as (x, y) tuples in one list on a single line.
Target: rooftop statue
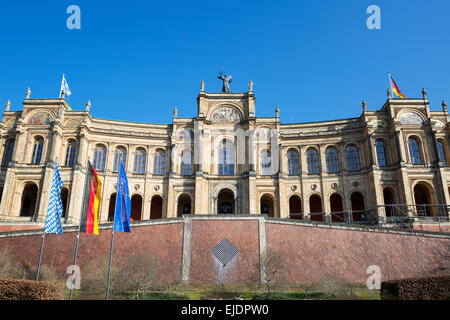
[(226, 82)]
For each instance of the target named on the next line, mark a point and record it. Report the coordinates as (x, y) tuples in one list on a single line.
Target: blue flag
[(123, 203), (55, 207)]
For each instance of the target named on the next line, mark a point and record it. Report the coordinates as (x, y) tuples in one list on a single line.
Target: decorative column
[(199, 199), (53, 147), (6, 209), (371, 153), (252, 203), (78, 181), (404, 174)]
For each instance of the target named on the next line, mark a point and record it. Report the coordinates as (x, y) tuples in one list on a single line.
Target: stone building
[(228, 161)]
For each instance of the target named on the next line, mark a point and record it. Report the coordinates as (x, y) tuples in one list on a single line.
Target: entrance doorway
[(422, 197), (184, 205), (267, 206), (225, 202), (156, 207), (315, 208), (29, 199)]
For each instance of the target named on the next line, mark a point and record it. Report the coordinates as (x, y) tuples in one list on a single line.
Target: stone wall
[(183, 247)]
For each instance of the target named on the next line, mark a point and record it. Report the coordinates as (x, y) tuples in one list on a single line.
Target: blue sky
[(136, 60)]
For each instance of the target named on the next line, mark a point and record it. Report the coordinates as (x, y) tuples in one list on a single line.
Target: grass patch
[(289, 296), (369, 295), (164, 296), (212, 291)]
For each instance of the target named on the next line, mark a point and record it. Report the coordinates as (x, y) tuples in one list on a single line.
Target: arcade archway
[(225, 202), (29, 199)]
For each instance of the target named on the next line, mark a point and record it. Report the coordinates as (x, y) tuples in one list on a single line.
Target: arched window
[(266, 163), (381, 153), (159, 162), (441, 151), (100, 158), (332, 160), (352, 158), (119, 156), (7, 155), (293, 163), (414, 151), (186, 163), (312, 157), (37, 150), (226, 158), (71, 153), (140, 158)]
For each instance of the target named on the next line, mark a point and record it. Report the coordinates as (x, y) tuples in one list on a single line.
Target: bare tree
[(9, 268), (136, 273), (333, 285), (272, 268)]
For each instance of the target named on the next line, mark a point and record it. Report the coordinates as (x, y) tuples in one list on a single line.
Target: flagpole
[(112, 238), (110, 258), (78, 235), (62, 84), (40, 254), (390, 82), (42, 242)]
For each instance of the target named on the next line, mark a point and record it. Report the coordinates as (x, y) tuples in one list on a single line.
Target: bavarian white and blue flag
[(55, 207)]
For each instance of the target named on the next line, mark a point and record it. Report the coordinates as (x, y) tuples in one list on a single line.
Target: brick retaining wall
[(182, 247)]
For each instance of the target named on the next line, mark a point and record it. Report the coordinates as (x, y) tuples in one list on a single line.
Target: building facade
[(228, 161)]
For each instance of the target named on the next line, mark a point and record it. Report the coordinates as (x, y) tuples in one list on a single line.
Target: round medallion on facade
[(156, 188), (225, 115), (293, 188), (314, 187), (136, 187), (334, 185), (355, 184), (381, 124)]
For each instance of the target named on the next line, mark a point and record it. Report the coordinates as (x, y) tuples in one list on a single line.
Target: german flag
[(396, 89), (91, 201)]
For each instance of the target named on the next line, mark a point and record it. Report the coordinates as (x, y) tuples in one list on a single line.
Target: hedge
[(11, 289), (432, 288)]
